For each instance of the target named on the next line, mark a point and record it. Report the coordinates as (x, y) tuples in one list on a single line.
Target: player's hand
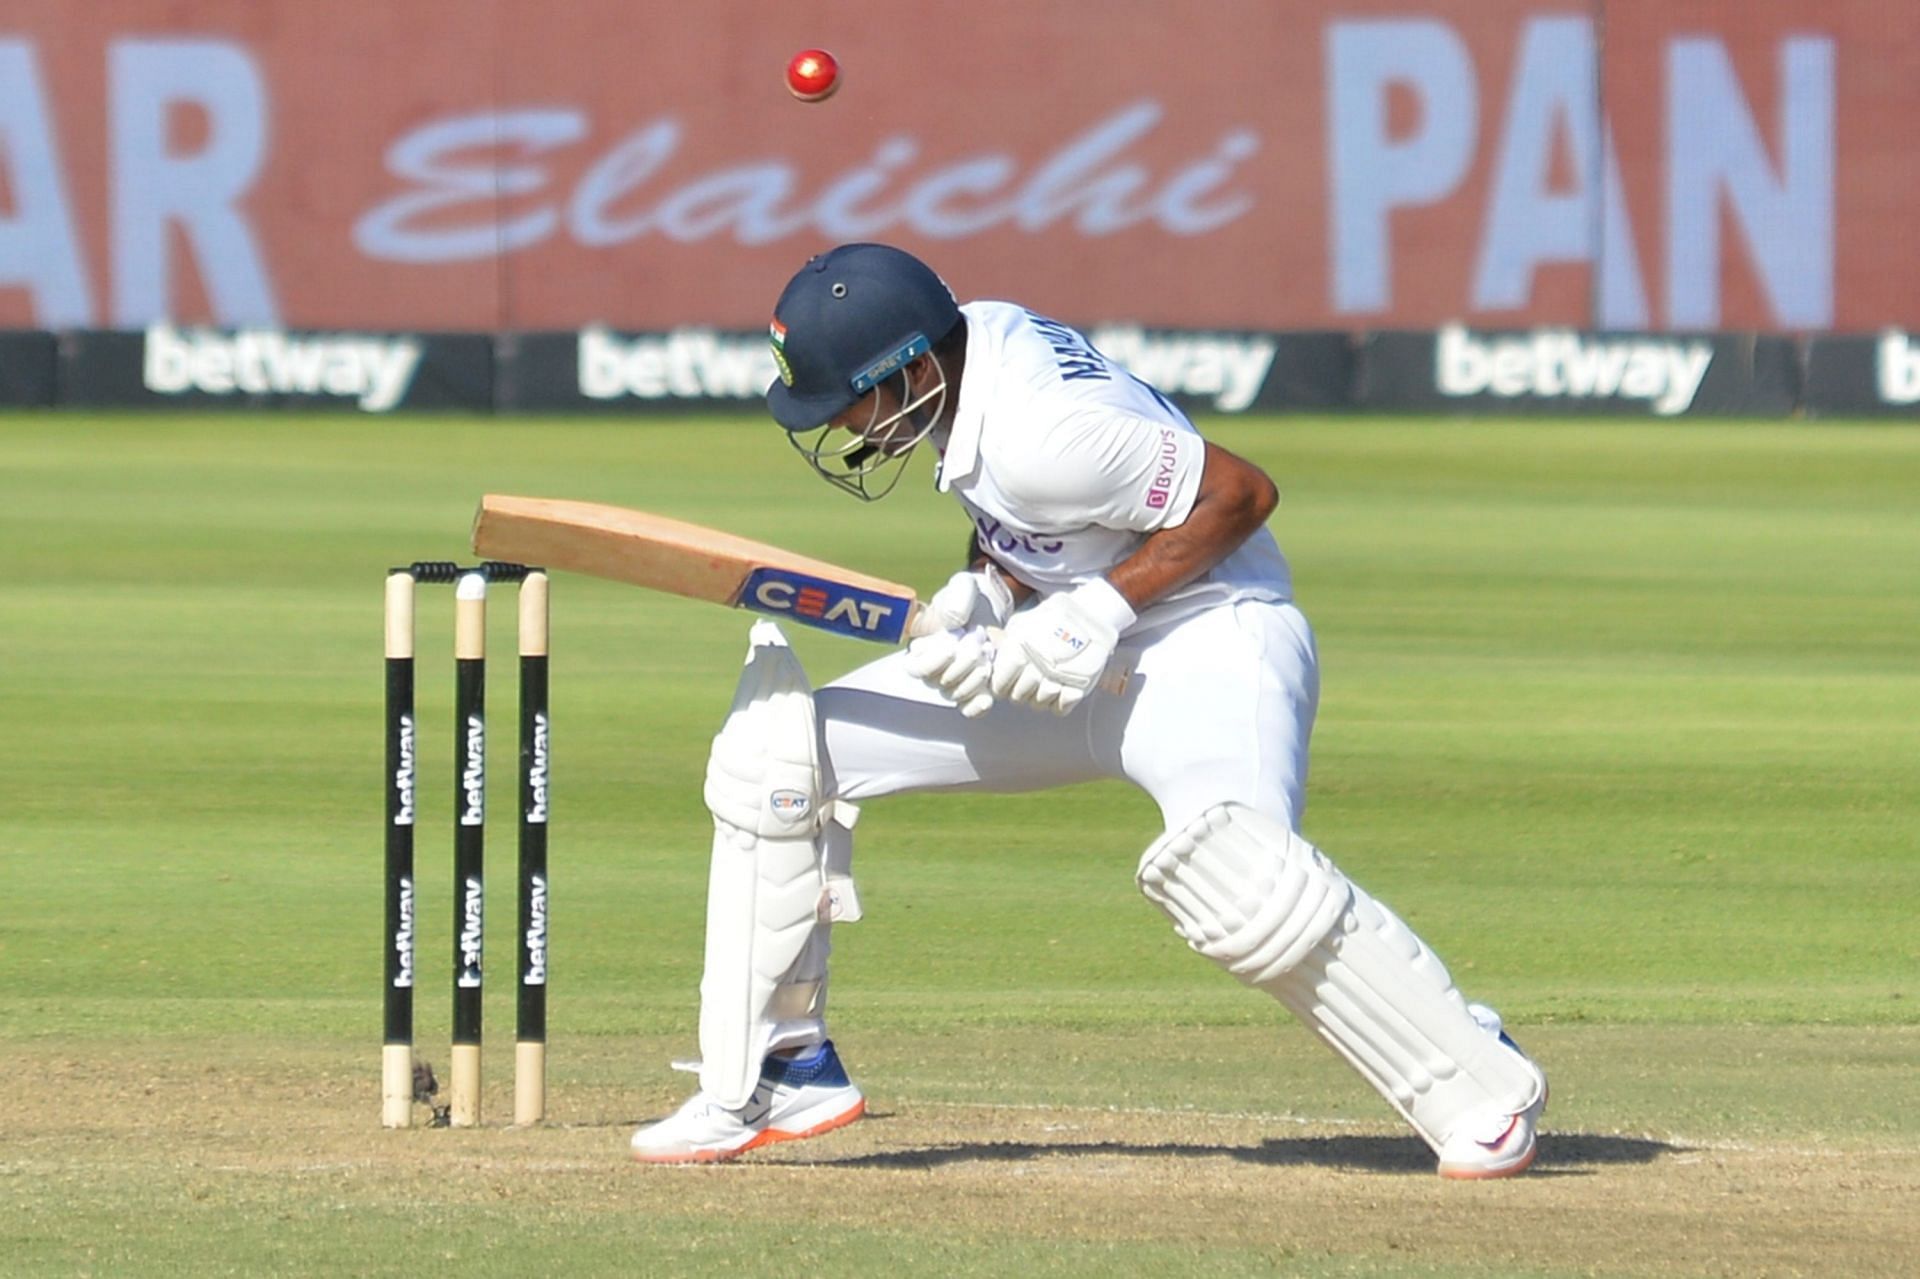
[(959, 664), (1051, 654), (972, 597)]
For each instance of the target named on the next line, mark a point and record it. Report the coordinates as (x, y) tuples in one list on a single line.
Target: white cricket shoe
[(1495, 1143), (796, 1097)]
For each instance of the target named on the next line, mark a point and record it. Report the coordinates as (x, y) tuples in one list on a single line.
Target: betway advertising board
[(600, 370), (1553, 371), (1864, 376), (169, 366), (1321, 165), (1453, 370)]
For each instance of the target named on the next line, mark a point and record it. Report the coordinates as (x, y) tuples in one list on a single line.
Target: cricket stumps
[(402, 1081)]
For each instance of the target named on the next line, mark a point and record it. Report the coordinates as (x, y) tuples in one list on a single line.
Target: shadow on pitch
[(1560, 1153)]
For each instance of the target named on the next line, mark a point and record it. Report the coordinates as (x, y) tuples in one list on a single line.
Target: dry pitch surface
[(273, 1163), (1621, 715)]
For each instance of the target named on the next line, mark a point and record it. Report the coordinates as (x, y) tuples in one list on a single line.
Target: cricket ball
[(813, 75)]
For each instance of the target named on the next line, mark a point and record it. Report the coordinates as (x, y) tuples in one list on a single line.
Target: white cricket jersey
[(1066, 462)]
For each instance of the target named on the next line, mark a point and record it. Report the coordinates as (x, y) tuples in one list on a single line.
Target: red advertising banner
[(490, 164)]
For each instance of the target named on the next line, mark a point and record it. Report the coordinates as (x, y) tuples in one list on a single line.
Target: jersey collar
[(962, 453)]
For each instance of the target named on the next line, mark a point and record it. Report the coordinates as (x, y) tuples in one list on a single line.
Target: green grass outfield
[(1623, 717)]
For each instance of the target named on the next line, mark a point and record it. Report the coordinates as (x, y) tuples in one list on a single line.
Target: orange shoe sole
[(766, 1137), (1490, 1174)]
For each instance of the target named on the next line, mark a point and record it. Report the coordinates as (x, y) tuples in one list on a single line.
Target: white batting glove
[(972, 597), (957, 663), (1051, 654)]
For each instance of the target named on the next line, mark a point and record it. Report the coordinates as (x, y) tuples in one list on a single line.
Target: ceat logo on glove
[(1067, 637)]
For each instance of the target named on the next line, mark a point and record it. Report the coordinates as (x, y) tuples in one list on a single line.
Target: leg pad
[(1251, 895)]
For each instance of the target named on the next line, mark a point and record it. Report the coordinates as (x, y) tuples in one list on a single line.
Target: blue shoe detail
[(821, 1066)]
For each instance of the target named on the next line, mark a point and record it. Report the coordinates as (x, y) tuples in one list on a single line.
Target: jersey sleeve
[(1115, 470)]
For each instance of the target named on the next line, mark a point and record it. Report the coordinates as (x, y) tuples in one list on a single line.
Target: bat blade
[(664, 554)]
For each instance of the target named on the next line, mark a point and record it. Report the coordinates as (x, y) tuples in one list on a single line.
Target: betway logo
[(685, 364), (536, 974), (1231, 368), (403, 938), (472, 915), (473, 774), (1556, 364), (537, 773), (403, 775), (1898, 368), (374, 372)]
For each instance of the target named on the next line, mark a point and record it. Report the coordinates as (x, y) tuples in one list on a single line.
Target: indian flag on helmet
[(777, 334)]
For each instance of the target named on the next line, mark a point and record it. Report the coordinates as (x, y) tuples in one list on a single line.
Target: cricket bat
[(700, 563)]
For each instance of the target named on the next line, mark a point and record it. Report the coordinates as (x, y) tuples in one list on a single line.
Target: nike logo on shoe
[(1504, 1145), (1513, 1122), (796, 1098)]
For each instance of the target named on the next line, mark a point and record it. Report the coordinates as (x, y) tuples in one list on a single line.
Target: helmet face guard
[(849, 320), (873, 455)]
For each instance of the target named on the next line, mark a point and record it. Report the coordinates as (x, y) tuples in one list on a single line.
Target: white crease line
[(1221, 1116), (1729, 1146), (1683, 1144)]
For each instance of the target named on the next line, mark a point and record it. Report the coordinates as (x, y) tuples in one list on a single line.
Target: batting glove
[(972, 597), (957, 663), (1051, 654)]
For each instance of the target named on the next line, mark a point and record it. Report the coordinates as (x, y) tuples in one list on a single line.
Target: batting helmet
[(848, 319)]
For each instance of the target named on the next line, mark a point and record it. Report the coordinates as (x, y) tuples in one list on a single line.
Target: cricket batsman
[(1105, 530)]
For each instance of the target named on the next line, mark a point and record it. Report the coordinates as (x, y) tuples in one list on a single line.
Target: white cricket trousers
[(1219, 709)]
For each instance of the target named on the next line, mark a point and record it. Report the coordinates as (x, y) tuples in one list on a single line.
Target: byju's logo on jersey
[(1161, 487), (831, 606)]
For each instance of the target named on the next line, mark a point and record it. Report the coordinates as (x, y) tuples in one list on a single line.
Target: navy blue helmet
[(848, 319)]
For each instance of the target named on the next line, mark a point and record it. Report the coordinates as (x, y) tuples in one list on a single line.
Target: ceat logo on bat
[(831, 606)]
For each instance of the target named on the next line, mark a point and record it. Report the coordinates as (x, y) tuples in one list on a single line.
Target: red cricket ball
[(813, 75)]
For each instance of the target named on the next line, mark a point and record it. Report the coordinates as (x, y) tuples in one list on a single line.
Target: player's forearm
[(1169, 560), (1235, 498)]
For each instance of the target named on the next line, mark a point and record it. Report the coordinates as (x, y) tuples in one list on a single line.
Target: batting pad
[(1254, 897), (766, 943), (1244, 891)]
